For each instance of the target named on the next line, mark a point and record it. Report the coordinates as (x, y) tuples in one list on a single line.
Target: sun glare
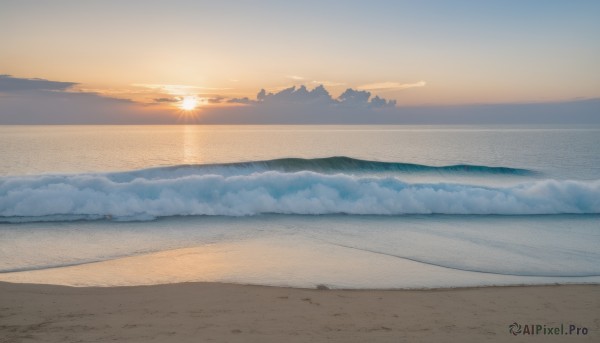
[(188, 103)]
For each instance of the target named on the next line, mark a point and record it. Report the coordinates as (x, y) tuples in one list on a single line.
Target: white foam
[(277, 192)]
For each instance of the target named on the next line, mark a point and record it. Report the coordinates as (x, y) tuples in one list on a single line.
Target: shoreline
[(260, 262), (204, 311), (318, 287)]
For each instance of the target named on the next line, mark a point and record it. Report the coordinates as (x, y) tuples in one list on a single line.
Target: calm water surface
[(566, 152)]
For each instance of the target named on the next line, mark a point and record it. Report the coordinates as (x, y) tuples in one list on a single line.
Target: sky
[(207, 61)]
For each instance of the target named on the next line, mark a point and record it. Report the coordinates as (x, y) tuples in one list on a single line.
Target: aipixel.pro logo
[(517, 329)]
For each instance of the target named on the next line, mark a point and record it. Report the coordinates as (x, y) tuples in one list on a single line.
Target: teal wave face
[(343, 163), (327, 165)]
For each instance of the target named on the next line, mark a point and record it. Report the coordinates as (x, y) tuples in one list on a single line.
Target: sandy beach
[(205, 312)]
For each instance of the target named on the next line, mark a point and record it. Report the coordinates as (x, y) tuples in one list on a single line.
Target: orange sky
[(416, 53), (460, 52)]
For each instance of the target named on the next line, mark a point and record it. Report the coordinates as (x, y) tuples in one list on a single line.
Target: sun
[(189, 103)]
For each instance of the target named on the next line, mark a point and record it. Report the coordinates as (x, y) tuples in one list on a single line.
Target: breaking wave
[(285, 186)]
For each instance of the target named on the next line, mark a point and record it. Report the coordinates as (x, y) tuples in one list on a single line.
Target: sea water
[(346, 206)]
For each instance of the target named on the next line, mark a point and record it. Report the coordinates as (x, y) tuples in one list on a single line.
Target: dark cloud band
[(11, 84)]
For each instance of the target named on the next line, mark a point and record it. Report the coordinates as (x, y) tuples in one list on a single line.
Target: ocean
[(343, 206)]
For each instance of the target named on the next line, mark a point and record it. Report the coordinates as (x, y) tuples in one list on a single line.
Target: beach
[(204, 312)]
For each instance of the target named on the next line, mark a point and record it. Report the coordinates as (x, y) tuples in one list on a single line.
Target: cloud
[(215, 100), (296, 96), (9, 84), (318, 96), (176, 89), (353, 97), (299, 105), (167, 100), (391, 85), (29, 87), (37, 101), (112, 91), (328, 83), (295, 77), (207, 99), (356, 98), (244, 100), (378, 102)]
